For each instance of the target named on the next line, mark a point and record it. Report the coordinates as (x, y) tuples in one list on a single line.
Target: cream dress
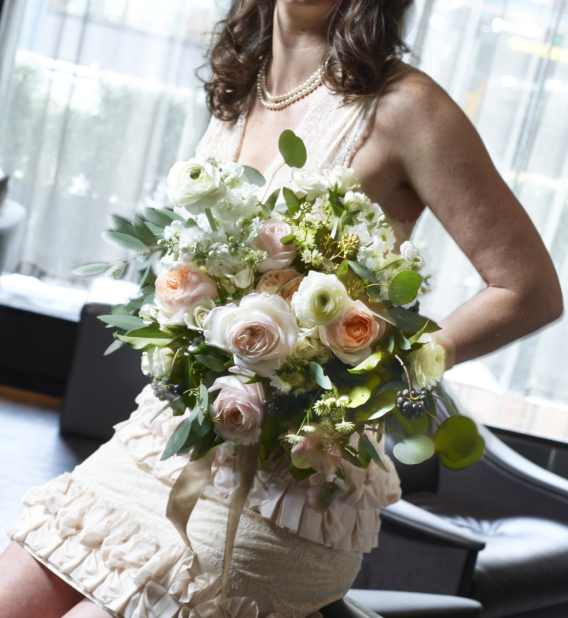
[(103, 529)]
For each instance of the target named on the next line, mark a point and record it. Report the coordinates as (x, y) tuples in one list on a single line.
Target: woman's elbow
[(550, 303)]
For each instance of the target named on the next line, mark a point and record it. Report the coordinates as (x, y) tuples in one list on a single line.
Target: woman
[(101, 543)]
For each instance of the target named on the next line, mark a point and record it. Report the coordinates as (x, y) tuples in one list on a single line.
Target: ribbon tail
[(186, 491), (246, 465)]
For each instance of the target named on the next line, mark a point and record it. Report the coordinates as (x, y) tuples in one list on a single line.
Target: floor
[(31, 449)]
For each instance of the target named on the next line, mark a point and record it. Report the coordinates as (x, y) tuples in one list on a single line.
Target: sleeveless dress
[(103, 529)]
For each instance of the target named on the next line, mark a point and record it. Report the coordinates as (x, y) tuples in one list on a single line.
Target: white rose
[(408, 250), (157, 362), (310, 346), (427, 364), (307, 184), (194, 186), (357, 201), (195, 316), (321, 299), (148, 313), (260, 333), (242, 279), (342, 177)]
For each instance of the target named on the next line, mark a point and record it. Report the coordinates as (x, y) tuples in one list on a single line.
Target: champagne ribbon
[(189, 486)]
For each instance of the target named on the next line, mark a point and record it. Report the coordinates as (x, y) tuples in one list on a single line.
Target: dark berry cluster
[(165, 391), (412, 404)]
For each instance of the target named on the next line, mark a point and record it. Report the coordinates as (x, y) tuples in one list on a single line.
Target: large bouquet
[(293, 324)]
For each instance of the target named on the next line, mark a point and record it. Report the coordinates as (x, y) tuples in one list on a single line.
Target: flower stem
[(211, 219), (406, 372)]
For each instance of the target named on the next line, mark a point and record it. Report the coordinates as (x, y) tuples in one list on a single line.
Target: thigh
[(30, 590), (87, 609)]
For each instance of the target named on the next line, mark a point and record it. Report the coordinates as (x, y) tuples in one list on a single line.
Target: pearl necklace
[(283, 100)]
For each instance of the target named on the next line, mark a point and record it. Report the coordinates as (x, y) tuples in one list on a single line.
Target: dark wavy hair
[(365, 38)]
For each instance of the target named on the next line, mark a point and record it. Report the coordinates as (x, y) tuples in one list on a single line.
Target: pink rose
[(273, 280), (180, 288), (351, 336), (260, 333), (279, 256), (238, 409)]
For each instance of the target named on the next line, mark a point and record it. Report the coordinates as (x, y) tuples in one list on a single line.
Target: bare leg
[(30, 590), (87, 609)]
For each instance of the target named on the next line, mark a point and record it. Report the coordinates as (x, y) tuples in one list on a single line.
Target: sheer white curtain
[(97, 99), (506, 65)]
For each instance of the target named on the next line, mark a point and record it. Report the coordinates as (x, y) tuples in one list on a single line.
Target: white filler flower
[(320, 300)]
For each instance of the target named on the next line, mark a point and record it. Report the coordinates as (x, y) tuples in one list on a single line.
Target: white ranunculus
[(148, 313), (307, 184), (357, 201), (196, 314), (260, 333), (321, 299), (243, 279), (157, 362), (427, 364), (343, 178), (194, 186), (408, 250), (310, 345)]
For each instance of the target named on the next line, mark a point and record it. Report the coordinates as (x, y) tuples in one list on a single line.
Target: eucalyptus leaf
[(118, 224), (157, 217), (268, 205), (361, 271), (292, 149), (414, 450), (124, 241), (253, 176), (361, 393), (126, 322), (113, 347), (292, 202), (368, 364), (319, 376), (177, 439), (474, 456), (365, 442), (343, 270), (89, 269), (203, 397), (382, 404), (411, 323), (144, 233), (118, 270), (351, 455), (404, 287), (337, 208), (211, 362), (456, 437)]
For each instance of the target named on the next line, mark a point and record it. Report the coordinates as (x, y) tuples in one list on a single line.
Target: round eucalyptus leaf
[(404, 287), (473, 457), (456, 437), (414, 450), (292, 149), (419, 424)]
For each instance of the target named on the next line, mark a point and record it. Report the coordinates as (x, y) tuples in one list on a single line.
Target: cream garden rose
[(320, 300), (343, 178), (194, 186), (273, 280), (196, 314), (278, 256), (238, 409), (178, 289), (428, 363), (350, 338), (260, 332), (307, 184)]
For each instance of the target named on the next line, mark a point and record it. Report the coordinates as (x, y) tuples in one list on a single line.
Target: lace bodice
[(332, 132)]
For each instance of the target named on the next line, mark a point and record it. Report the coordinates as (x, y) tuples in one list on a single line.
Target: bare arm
[(438, 155)]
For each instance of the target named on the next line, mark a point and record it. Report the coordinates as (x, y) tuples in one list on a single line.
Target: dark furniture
[(496, 532)]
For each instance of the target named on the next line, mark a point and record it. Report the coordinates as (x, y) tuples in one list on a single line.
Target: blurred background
[(99, 97)]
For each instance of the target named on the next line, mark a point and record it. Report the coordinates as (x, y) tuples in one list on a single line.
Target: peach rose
[(273, 280), (179, 288), (238, 409), (271, 231), (351, 336)]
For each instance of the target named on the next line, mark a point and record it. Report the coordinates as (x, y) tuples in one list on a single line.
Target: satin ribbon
[(190, 485)]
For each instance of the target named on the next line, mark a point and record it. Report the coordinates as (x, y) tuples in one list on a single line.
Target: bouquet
[(284, 317)]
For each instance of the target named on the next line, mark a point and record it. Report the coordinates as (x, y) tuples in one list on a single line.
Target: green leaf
[(156, 229), (474, 456), (160, 218), (113, 347), (299, 474), (143, 231), (343, 270), (362, 392), (89, 269), (368, 364), (118, 224), (126, 322), (411, 323), (292, 202), (401, 341), (118, 270), (124, 241), (369, 447), (336, 206), (268, 206), (211, 362), (254, 177), (292, 149), (286, 240), (203, 397), (419, 424), (404, 287), (319, 376), (414, 450), (177, 439), (142, 337), (456, 437), (361, 271), (364, 456), (256, 378), (351, 455), (204, 443), (401, 419), (382, 404)]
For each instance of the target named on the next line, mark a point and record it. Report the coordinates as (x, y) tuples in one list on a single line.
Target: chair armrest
[(347, 608), (405, 514)]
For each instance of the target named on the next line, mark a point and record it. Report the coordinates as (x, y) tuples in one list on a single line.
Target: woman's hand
[(423, 151)]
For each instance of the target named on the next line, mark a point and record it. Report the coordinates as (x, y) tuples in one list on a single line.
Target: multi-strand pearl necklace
[(283, 100)]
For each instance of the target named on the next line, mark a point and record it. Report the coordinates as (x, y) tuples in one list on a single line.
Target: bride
[(96, 542)]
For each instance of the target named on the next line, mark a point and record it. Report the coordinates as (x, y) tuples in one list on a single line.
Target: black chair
[(496, 532)]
